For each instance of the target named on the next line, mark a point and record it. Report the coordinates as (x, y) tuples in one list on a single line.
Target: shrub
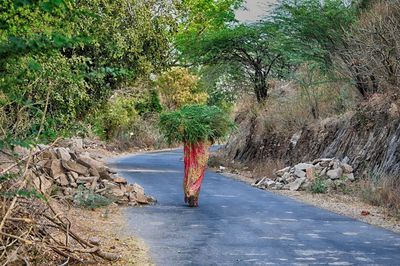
[(88, 199), (319, 185)]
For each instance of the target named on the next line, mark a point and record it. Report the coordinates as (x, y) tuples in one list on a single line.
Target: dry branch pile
[(33, 230)]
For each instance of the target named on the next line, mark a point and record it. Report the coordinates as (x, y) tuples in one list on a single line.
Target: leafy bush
[(178, 87), (194, 123), (88, 199), (318, 186), (119, 113)]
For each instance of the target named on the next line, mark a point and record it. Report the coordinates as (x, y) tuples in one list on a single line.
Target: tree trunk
[(260, 85), (195, 159)]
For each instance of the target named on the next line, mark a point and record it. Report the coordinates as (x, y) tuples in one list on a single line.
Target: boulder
[(56, 168), (299, 173), (63, 179), (138, 189), (120, 180), (91, 163), (94, 172), (278, 186), (75, 167), (347, 169), (41, 183), (350, 177), (116, 192), (282, 171), (294, 186), (63, 154), (268, 183), (335, 173), (303, 166)]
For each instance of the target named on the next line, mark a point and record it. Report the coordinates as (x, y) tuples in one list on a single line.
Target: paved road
[(237, 224)]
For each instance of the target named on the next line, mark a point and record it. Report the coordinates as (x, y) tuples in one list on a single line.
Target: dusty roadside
[(343, 204), (72, 220), (106, 225)]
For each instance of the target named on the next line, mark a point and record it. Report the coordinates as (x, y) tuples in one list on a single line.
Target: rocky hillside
[(369, 137)]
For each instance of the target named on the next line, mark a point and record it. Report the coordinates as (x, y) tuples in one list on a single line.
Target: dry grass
[(292, 105), (383, 192)]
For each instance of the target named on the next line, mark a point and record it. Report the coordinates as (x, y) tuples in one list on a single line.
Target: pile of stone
[(333, 172), (63, 170)]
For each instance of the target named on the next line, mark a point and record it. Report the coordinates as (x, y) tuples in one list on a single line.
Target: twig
[(17, 237)]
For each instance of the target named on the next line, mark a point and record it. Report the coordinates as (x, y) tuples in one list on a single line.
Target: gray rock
[(346, 160), (294, 186), (278, 186), (299, 173), (347, 169), (268, 182), (323, 172), (350, 177), (282, 171), (303, 166), (63, 154), (335, 173), (335, 163)]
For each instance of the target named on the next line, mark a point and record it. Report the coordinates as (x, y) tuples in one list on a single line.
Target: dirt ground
[(108, 224), (343, 204)]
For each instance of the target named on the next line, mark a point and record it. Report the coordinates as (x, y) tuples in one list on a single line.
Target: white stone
[(282, 171), (350, 177), (335, 173), (299, 173), (303, 166), (294, 186)]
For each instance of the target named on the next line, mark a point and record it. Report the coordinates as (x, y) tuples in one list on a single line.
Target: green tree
[(254, 48), (314, 29)]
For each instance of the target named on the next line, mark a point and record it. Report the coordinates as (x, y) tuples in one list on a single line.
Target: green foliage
[(25, 193), (319, 185), (8, 176), (194, 123), (120, 112), (149, 104), (88, 199), (314, 29), (178, 87), (201, 16), (254, 49), (71, 55)]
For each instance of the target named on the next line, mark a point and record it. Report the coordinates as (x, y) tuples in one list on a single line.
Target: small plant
[(319, 186), (88, 199)]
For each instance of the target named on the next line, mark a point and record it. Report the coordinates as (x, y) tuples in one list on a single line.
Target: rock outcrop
[(368, 139)]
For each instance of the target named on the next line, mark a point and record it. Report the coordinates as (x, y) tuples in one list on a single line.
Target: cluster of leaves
[(319, 186), (85, 198), (195, 123), (178, 88)]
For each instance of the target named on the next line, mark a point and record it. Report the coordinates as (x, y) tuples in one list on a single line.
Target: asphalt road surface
[(237, 224)]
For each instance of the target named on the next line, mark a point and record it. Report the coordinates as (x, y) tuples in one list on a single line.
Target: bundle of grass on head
[(197, 126), (195, 123)]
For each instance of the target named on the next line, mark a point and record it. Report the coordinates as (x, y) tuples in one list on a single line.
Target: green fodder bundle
[(194, 123)]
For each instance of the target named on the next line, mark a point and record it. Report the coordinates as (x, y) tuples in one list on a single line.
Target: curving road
[(237, 224)]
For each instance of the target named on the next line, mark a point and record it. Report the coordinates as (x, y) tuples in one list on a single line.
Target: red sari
[(195, 158)]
